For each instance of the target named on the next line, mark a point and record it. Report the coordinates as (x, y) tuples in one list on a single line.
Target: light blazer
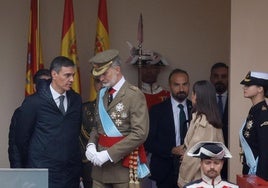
[(200, 130), (130, 115)]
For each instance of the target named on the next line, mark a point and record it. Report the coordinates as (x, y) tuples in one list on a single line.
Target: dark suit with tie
[(47, 138), (225, 129), (161, 140), (225, 123)]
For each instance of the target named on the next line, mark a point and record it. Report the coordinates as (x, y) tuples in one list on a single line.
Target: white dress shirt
[(176, 115), (56, 98)]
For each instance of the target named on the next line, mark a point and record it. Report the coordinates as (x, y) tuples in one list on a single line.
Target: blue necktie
[(183, 125), (220, 104)]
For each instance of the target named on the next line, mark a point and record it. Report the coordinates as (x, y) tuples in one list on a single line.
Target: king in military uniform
[(115, 146)]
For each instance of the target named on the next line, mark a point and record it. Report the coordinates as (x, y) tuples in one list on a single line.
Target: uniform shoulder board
[(134, 88), (264, 123), (263, 108)]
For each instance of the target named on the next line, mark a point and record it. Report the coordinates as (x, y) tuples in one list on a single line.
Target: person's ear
[(34, 88), (53, 74)]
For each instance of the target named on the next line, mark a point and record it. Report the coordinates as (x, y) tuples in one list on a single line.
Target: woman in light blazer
[(205, 125)]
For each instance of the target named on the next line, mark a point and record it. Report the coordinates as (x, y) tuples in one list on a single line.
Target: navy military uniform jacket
[(255, 132), (88, 119), (46, 138)]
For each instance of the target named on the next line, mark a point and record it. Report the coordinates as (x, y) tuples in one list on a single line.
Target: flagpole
[(140, 40), (139, 65)]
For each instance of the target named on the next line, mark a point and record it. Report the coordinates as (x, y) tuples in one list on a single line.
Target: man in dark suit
[(219, 78), (48, 128), (41, 77), (167, 131)]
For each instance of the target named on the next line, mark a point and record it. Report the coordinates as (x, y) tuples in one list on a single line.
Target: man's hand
[(178, 150), (100, 158), (91, 152)]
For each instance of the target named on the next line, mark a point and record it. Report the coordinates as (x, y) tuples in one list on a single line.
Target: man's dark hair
[(219, 65), (175, 71), (39, 74), (59, 62)]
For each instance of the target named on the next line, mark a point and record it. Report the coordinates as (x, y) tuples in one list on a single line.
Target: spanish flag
[(68, 44), (102, 41), (34, 52)]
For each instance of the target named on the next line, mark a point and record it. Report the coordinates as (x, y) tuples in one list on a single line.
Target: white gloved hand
[(100, 158), (91, 151)]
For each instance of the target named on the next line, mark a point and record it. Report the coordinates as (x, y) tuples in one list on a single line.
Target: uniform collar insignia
[(264, 123), (263, 108)]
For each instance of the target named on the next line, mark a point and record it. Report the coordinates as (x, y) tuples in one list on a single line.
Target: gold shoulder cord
[(133, 173)]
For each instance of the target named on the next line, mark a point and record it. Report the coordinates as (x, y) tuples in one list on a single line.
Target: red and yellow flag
[(34, 52), (102, 40), (68, 44)]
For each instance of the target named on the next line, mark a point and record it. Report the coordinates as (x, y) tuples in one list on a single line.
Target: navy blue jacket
[(13, 152), (46, 138)]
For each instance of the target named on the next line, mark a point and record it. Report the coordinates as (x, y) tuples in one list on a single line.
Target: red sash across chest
[(107, 141)]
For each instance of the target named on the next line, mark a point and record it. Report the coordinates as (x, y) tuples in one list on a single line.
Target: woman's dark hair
[(206, 102)]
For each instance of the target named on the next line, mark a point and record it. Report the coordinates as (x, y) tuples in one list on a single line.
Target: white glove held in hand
[(91, 152), (101, 158)]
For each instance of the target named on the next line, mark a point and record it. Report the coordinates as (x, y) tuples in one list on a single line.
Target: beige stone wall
[(249, 49)]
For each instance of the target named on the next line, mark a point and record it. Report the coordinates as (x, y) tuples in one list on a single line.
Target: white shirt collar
[(119, 84), (176, 103), (224, 94), (55, 94)]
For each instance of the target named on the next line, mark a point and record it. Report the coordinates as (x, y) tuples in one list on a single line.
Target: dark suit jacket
[(46, 138), (225, 122), (13, 152), (162, 139)]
